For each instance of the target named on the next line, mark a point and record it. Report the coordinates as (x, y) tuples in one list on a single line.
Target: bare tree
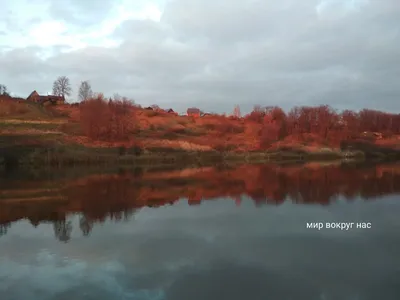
[(3, 90), (117, 97), (236, 112), (62, 86), (85, 91)]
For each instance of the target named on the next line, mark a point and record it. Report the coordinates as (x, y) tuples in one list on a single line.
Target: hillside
[(100, 124)]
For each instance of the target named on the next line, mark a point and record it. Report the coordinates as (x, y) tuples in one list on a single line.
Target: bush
[(12, 107), (256, 116), (229, 128), (107, 120), (151, 113), (224, 128), (56, 113)]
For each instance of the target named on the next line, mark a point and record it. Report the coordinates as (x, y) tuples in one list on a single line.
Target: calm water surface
[(211, 251)]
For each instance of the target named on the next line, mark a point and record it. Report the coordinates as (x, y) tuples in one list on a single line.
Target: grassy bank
[(58, 154), (51, 150)]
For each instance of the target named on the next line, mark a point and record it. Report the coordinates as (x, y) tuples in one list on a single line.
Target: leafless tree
[(85, 91), (117, 97), (62, 86), (236, 112), (3, 90)]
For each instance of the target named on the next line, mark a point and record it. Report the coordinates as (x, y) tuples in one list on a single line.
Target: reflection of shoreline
[(101, 196)]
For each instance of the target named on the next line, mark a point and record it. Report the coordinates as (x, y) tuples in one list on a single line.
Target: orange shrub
[(107, 120), (10, 106)]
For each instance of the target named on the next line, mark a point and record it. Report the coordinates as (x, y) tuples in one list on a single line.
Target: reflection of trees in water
[(117, 197), (322, 185), (4, 228), (108, 197), (87, 222), (62, 230), (85, 225), (122, 216)]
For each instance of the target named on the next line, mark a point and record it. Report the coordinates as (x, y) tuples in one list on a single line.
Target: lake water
[(207, 234)]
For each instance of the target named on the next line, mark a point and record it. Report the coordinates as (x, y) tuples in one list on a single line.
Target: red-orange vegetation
[(100, 122), (112, 120), (11, 106)]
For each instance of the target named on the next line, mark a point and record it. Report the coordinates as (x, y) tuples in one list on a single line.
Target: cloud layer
[(213, 54)]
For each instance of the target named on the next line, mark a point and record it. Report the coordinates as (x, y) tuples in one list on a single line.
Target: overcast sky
[(208, 53)]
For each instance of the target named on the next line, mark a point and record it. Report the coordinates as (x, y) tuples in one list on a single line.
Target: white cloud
[(331, 9)]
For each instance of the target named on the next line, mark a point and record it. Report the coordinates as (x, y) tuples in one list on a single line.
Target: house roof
[(45, 98), (34, 93)]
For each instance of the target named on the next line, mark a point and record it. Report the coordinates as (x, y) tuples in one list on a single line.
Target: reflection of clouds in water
[(45, 273), (49, 275), (181, 250)]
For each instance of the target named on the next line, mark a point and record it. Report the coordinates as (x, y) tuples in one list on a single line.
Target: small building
[(194, 112), (171, 111), (148, 108), (35, 97)]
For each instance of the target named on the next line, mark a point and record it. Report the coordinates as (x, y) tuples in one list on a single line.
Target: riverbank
[(66, 155), (45, 151)]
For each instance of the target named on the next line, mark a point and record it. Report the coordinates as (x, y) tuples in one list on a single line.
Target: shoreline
[(76, 155)]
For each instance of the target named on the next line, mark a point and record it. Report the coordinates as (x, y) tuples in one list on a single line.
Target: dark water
[(116, 248)]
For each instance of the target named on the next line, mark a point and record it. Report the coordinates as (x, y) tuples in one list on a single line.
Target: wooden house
[(171, 111), (194, 112), (35, 97)]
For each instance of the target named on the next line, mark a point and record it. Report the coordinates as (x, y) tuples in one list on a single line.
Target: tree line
[(323, 122), (115, 119)]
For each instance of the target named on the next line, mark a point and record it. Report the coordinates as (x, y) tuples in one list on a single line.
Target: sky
[(206, 53)]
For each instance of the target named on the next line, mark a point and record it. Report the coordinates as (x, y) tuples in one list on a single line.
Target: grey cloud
[(217, 54), (225, 22)]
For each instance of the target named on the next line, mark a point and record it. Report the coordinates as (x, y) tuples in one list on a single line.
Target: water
[(210, 234)]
